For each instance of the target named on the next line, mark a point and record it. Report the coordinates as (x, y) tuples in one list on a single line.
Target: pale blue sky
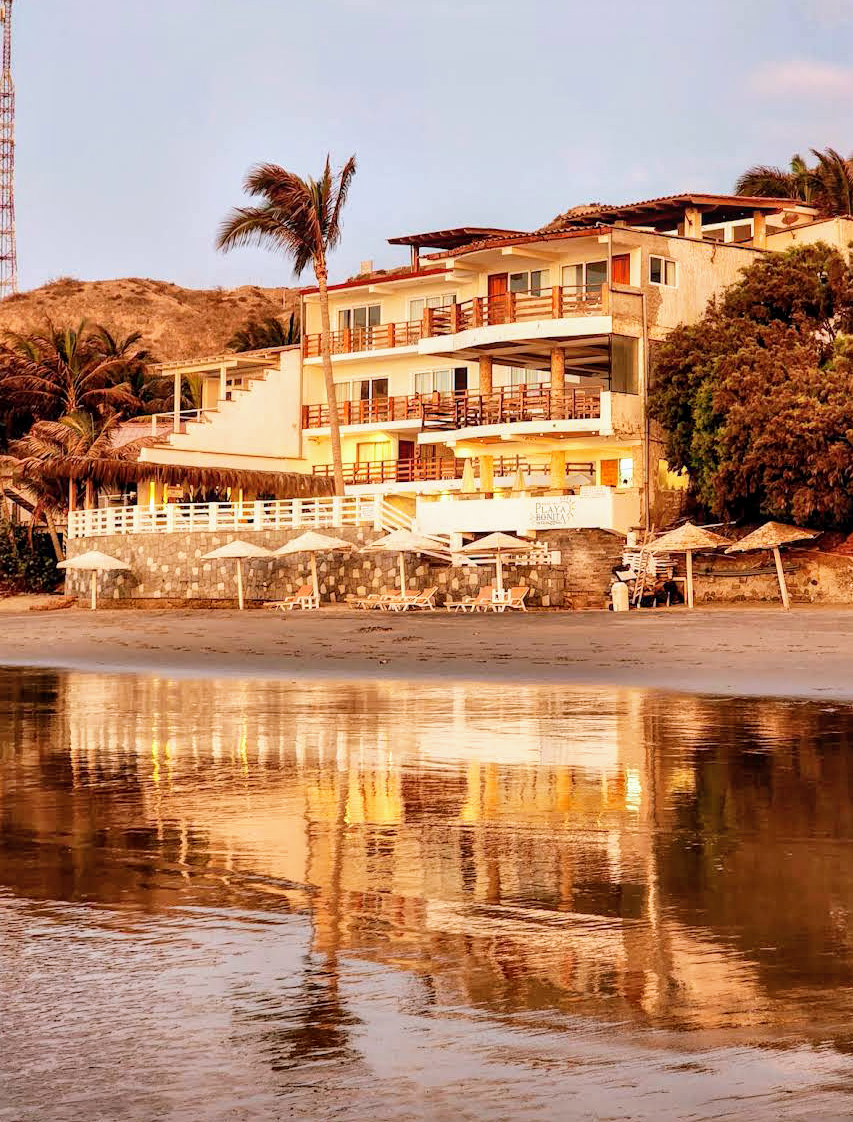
[(137, 119)]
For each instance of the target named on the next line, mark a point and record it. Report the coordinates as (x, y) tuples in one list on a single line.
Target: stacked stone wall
[(170, 569)]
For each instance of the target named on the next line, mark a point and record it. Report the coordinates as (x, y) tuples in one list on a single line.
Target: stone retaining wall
[(170, 569)]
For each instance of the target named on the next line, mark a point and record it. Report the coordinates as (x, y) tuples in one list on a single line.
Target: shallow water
[(261, 900)]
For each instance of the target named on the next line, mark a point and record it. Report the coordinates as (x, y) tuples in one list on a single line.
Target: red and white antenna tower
[(8, 247)]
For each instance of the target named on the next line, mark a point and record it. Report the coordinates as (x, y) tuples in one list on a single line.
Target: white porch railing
[(279, 514)]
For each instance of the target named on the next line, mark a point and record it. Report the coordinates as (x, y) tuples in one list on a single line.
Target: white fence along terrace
[(278, 514)]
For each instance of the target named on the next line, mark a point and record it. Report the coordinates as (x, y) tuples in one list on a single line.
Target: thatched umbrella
[(772, 535), (313, 543), (498, 544), (403, 542), (687, 539), (240, 551), (97, 562)]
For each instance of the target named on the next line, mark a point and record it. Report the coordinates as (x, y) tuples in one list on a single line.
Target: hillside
[(175, 322)]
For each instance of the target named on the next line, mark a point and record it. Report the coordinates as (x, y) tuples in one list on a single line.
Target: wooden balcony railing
[(462, 410), (364, 412), (413, 470), (558, 302), (381, 337)]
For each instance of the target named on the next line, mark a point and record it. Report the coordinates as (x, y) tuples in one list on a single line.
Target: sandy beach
[(731, 651)]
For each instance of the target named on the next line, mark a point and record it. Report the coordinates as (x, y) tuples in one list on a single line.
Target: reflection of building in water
[(616, 853)]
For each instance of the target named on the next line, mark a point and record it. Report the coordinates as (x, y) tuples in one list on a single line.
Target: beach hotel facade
[(496, 382)]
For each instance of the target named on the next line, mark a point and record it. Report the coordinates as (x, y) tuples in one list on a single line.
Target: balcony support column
[(487, 475), (692, 222), (558, 473), (759, 229), (176, 404), (485, 375), (558, 383)]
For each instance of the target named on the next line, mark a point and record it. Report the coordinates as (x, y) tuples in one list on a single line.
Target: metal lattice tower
[(8, 247)]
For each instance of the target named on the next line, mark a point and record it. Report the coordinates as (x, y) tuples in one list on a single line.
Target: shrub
[(26, 567)]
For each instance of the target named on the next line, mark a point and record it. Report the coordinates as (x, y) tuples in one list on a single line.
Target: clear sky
[(137, 119)]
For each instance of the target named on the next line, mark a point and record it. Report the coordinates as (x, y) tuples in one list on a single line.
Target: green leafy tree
[(755, 399), (300, 218)]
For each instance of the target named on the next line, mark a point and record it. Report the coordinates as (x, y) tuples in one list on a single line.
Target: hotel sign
[(554, 514)]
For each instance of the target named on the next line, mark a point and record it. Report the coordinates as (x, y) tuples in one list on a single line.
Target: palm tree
[(153, 391), (302, 219), (777, 183), (79, 438), (58, 371), (828, 185), (271, 332), (834, 182)]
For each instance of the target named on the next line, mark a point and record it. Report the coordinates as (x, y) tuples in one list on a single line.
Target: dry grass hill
[(175, 322)]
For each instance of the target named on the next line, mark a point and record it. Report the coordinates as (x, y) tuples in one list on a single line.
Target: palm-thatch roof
[(119, 472), (770, 536), (687, 538)]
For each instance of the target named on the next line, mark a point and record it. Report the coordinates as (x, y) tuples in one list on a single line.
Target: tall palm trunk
[(331, 397), (54, 537)]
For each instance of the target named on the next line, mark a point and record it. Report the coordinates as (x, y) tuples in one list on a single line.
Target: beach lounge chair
[(365, 603), (516, 600), (303, 598), (424, 600), (481, 602)]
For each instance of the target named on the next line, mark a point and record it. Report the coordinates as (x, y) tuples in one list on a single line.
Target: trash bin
[(619, 596)]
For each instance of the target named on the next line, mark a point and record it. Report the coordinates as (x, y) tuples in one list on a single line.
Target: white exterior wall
[(593, 508), (260, 424)]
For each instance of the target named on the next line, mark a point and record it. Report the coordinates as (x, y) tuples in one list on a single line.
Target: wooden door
[(620, 268), (406, 450), (498, 290), (609, 475)]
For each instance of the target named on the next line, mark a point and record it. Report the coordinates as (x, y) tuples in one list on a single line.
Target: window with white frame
[(419, 304), (738, 231), (362, 315), (626, 471), (662, 270), (521, 376), (587, 276), (362, 389), (433, 381), (530, 283)]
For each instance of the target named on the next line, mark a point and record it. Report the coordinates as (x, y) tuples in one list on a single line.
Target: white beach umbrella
[(403, 542), (772, 535), (239, 551), (498, 544), (98, 563), (313, 543)]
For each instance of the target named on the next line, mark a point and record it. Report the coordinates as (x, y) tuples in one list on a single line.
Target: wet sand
[(733, 651)]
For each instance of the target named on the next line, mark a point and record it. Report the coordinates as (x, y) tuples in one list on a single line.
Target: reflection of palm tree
[(314, 1024)]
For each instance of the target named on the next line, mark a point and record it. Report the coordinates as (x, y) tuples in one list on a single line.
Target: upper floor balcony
[(463, 410), (558, 302)]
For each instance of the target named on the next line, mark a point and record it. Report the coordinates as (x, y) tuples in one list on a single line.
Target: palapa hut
[(118, 471), (687, 539), (773, 535)]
